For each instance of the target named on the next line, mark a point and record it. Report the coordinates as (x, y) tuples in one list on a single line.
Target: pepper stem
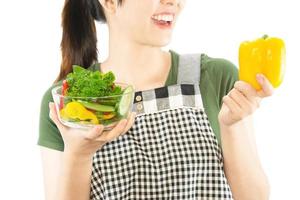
[(265, 36)]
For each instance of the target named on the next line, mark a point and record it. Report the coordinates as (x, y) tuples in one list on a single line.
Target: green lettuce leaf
[(86, 83)]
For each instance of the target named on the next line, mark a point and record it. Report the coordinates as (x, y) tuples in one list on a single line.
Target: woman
[(190, 133)]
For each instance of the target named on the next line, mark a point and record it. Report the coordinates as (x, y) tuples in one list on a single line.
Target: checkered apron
[(170, 152)]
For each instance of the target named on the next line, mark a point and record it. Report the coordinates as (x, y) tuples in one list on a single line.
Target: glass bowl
[(86, 112)]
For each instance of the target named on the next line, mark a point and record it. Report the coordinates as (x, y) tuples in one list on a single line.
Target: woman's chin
[(161, 42)]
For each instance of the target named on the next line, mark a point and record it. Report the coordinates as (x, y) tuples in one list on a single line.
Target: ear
[(109, 6)]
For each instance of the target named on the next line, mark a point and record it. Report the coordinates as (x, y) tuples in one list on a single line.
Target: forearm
[(74, 180), (241, 162)]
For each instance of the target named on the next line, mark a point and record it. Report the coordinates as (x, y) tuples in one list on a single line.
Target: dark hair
[(79, 38)]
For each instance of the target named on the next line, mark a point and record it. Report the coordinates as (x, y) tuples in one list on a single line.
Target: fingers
[(130, 122), (122, 127), (248, 91), (54, 117), (247, 106), (267, 88), (242, 100), (94, 133), (114, 133), (232, 105)]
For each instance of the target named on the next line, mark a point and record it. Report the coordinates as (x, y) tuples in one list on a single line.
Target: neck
[(127, 59)]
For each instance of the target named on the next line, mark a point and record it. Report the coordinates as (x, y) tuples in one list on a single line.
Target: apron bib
[(170, 152)]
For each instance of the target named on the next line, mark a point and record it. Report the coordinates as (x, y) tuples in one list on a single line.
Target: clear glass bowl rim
[(54, 92)]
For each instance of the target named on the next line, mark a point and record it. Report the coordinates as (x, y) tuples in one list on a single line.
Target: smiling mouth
[(163, 20)]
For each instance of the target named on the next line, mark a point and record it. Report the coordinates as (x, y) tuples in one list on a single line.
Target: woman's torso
[(170, 152)]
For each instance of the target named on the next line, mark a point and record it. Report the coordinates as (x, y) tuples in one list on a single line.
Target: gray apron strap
[(189, 68)]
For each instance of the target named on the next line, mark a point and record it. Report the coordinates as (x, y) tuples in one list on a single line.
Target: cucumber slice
[(96, 106), (108, 102), (125, 101)]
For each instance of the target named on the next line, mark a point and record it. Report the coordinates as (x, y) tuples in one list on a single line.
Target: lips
[(163, 20)]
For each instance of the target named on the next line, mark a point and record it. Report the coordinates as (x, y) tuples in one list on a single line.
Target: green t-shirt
[(217, 79)]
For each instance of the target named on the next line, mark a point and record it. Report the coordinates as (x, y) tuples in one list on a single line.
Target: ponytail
[(79, 38)]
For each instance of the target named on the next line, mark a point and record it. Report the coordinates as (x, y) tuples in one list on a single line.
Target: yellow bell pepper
[(75, 110), (266, 56)]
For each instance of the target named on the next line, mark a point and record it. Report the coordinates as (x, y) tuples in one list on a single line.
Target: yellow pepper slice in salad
[(75, 110)]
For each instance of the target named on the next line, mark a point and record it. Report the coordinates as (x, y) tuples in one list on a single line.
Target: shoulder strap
[(189, 68)]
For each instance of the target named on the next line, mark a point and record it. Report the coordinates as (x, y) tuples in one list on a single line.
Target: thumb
[(94, 132), (54, 117), (267, 88)]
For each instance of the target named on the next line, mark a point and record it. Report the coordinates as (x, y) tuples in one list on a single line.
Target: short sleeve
[(49, 135), (227, 75), (217, 78)]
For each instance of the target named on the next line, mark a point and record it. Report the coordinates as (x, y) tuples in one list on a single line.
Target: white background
[(30, 59)]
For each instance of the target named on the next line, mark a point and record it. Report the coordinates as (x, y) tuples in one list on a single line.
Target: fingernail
[(99, 127), (50, 104), (260, 78)]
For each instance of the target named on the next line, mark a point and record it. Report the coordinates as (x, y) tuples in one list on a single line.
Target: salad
[(89, 98)]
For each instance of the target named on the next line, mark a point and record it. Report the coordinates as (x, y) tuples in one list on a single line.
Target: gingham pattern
[(170, 152), (164, 98)]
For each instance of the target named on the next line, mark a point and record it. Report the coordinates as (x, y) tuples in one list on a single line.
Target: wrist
[(77, 158), (230, 127), (237, 129)]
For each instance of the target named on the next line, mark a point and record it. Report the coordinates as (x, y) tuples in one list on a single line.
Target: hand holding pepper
[(243, 100), (261, 69)]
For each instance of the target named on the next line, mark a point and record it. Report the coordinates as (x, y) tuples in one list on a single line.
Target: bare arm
[(51, 163), (67, 175), (241, 161), (74, 177)]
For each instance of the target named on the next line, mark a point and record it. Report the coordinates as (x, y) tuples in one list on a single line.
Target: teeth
[(163, 17)]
